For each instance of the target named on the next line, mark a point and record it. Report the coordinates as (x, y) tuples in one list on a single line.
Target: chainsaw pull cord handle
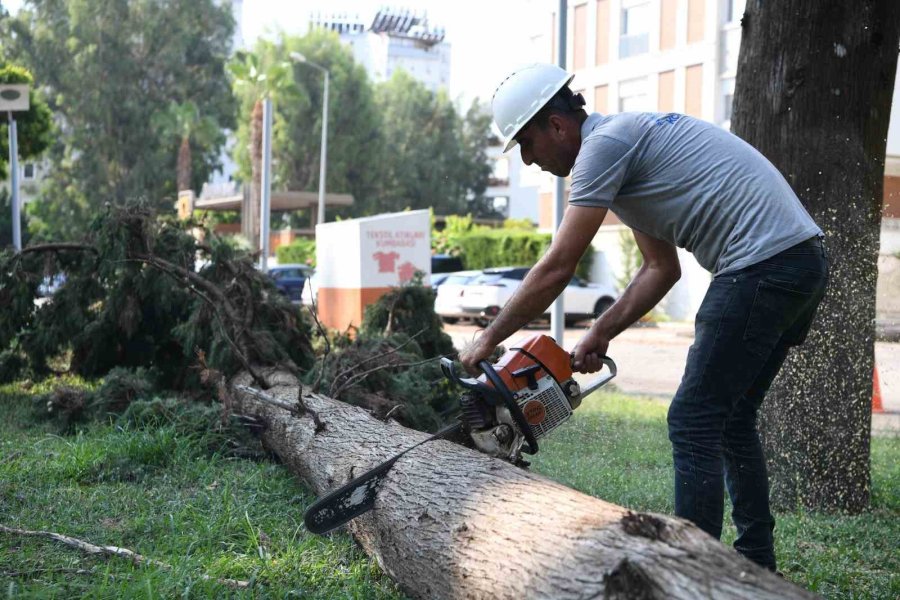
[(511, 405)]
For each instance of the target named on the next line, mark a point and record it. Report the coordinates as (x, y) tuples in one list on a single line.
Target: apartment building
[(394, 39), (662, 55), (651, 55)]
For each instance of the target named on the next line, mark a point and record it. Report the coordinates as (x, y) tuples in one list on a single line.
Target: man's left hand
[(473, 354)]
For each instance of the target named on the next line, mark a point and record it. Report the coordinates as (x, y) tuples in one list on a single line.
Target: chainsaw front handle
[(602, 380)]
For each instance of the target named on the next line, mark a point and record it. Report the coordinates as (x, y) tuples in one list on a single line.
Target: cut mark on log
[(644, 525), (629, 581)]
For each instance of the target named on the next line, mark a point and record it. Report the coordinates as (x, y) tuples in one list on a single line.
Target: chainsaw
[(526, 394)]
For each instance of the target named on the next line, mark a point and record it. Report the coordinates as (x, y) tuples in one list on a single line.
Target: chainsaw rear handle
[(498, 388)]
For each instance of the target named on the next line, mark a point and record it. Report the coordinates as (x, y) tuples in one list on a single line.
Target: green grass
[(169, 495), (175, 493), (616, 448)]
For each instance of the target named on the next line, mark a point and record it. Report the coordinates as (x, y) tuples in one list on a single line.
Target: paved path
[(651, 361)]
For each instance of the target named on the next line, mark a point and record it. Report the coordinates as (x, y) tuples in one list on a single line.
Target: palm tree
[(250, 77), (184, 122)]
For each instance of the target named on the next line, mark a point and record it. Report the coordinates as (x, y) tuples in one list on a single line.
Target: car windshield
[(487, 279), (457, 279)]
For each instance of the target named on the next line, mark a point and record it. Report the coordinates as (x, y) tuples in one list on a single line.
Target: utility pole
[(557, 309)]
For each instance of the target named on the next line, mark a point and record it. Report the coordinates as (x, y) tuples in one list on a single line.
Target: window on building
[(635, 28), (730, 47), (601, 103), (500, 172), (696, 20), (693, 91), (28, 171), (580, 36), (633, 95), (734, 10), (601, 51), (727, 101)]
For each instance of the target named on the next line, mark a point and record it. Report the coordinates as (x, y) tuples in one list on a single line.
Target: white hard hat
[(521, 95)]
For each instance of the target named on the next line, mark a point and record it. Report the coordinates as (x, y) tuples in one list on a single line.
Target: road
[(651, 361)]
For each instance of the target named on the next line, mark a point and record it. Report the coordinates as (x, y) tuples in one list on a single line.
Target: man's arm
[(544, 282), (656, 276)]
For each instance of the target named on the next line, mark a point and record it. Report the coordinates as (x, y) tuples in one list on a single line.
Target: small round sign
[(534, 412), (10, 94)]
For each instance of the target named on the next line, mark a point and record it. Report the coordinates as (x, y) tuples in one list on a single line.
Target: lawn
[(175, 490)]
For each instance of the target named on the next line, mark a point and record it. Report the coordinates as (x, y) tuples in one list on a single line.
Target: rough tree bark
[(813, 94), (452, 523), (184, 164)]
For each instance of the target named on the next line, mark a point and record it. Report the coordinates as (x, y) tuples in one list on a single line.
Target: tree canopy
[(433, 157), (108, 66), (392, 145)]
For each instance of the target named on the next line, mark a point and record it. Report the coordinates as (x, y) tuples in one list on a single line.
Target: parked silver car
[(448, 299)]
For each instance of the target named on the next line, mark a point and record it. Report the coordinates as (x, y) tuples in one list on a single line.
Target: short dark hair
[(563, 102)]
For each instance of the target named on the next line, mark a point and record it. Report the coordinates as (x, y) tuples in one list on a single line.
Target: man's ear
[(558, 124)]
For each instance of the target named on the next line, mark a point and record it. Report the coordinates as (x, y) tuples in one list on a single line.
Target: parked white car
[(484, 296), (448, 298), (310, 290)]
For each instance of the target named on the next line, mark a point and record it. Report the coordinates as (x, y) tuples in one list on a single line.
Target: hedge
[(301, 250), (511, 248)]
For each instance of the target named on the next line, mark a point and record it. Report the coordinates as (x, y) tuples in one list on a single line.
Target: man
[(677, 182)]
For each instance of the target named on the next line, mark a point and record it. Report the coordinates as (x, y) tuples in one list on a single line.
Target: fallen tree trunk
[(450, 522)]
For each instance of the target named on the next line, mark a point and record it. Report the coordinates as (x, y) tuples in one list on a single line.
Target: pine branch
[(371, 358), (364, 374), (56, 247)]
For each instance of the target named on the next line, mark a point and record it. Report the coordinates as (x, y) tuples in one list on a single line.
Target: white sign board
[(13, 97), (374, 252)]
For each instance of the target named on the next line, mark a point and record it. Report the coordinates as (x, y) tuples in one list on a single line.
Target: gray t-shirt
[(690, 183)]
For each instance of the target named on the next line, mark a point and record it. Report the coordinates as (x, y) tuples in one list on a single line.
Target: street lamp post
[(324, 156), (265, 207), (14, 97)]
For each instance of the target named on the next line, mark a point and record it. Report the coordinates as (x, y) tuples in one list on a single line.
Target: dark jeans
[(744, 328)]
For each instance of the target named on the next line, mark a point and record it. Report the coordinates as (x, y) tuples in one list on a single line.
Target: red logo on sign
[(386, 261), (406, 271)]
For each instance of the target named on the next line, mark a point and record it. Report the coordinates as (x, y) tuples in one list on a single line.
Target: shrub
[(512, 248), (399, 334), (301, 250)]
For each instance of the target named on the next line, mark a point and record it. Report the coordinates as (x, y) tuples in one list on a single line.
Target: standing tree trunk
[(251, 227), (451, 523), (813, 94), (184, 165)]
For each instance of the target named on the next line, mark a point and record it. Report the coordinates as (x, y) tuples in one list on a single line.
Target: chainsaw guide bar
[(358, 496)]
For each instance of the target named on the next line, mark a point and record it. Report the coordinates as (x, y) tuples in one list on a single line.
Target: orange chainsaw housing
[(543, 348)]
